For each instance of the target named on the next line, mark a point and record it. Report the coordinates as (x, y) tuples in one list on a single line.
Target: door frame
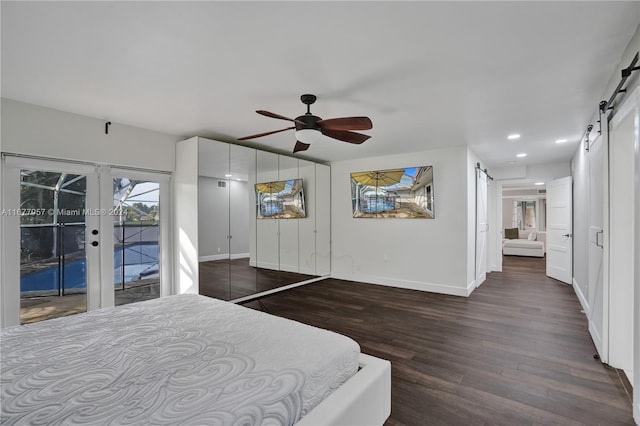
[(167, 283), (100, 289), (631, 106), (10, 295)]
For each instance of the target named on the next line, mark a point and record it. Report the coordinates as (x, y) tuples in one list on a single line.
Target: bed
[(187, 359)]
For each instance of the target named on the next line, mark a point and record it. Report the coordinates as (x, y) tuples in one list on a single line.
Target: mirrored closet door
[(263, 219)]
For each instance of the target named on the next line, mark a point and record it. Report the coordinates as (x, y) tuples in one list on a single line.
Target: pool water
[(379, 205), (141, 261)]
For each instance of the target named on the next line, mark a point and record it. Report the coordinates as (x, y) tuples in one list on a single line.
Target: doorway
[(61, 251)]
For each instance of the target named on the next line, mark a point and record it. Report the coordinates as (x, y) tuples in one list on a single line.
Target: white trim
[(10, 294), (276, 290), (583, 300), (411, 285), (78, 163), (635, 379), (213, 257), (222, 256), (363, 400)]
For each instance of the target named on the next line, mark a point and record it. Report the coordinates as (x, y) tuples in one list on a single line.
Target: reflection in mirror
[(288, 229), (213, 219), (242, 172), (307, 227), (267, 252)]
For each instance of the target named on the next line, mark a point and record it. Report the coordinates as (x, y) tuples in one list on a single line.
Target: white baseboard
[(478, 282), (266, 265), (581, 298), (213, 257), (276, 290), (222, 257), (411, 285)]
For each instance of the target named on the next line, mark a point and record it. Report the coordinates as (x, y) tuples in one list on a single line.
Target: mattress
[(184, 359)]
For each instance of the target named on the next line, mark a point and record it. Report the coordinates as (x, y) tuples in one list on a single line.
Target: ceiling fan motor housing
[(310, 122)]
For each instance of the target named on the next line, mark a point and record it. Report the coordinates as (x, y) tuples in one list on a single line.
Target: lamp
[(310, 136)]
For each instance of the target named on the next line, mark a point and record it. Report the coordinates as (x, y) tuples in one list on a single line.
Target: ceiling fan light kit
[(311, 128)]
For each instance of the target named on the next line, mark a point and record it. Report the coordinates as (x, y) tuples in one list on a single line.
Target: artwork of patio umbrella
[(271, 187), (378, 178)]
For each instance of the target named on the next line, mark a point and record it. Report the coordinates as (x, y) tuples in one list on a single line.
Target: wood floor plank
[(516, 352)]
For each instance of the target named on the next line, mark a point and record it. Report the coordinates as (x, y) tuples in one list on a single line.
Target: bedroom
[(385, 90)]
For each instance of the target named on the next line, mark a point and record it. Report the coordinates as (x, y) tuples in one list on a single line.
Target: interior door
[(596, 288), (481, 227), (559, 229)]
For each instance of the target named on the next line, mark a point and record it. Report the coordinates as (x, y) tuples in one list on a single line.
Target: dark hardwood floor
[(516, 352), (232, 279)]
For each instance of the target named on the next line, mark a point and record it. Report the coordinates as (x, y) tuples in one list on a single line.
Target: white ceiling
[(428, 74)]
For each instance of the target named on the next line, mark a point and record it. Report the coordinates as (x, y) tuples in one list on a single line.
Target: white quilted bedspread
[(179, 360)]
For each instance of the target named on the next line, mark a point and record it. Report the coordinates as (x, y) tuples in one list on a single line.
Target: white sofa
[(523, 246)]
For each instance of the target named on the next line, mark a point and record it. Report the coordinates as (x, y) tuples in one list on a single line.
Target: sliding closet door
[(623, 130), (307, 226), (267, 246), (323, 219), (288, 226), (596, 289), (213, 219), (242, 202)]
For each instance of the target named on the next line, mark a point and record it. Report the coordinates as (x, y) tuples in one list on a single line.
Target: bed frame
[(363, 400)]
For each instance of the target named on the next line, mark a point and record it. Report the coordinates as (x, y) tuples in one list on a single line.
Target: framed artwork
[(393, 193)]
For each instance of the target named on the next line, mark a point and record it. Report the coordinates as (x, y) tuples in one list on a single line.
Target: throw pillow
[(533, 236), (511, 233)]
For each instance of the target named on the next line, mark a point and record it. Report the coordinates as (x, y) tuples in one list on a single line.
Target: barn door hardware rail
[(483, 171), (626, 73)]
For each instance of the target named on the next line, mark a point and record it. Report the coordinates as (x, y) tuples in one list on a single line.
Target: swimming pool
[(140, 261), (378, 205)]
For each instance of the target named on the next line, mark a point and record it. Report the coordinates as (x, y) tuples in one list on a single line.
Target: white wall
[(424, 254), (580, 173), (185, 196), (532, 173), (44, 132)]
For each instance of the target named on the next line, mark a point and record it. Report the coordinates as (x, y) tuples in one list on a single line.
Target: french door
[(78, 237)]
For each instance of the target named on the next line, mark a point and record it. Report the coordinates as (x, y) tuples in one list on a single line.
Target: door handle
[(566, 235), (599, 233)]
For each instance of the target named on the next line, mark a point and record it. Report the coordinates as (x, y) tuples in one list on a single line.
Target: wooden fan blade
[(300, 146), (346, 123), (259, 135), (278, 116), (345, 136)]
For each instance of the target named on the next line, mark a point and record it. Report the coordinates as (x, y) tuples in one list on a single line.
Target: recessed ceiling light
[(228, 175), (561, 140), (539, 183), (522, 154), (513, 136)]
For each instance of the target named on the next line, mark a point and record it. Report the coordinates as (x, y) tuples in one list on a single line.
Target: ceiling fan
[(309, 126)]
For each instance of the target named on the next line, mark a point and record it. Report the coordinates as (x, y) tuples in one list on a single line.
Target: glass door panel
[(136, 237), (53, 264)]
